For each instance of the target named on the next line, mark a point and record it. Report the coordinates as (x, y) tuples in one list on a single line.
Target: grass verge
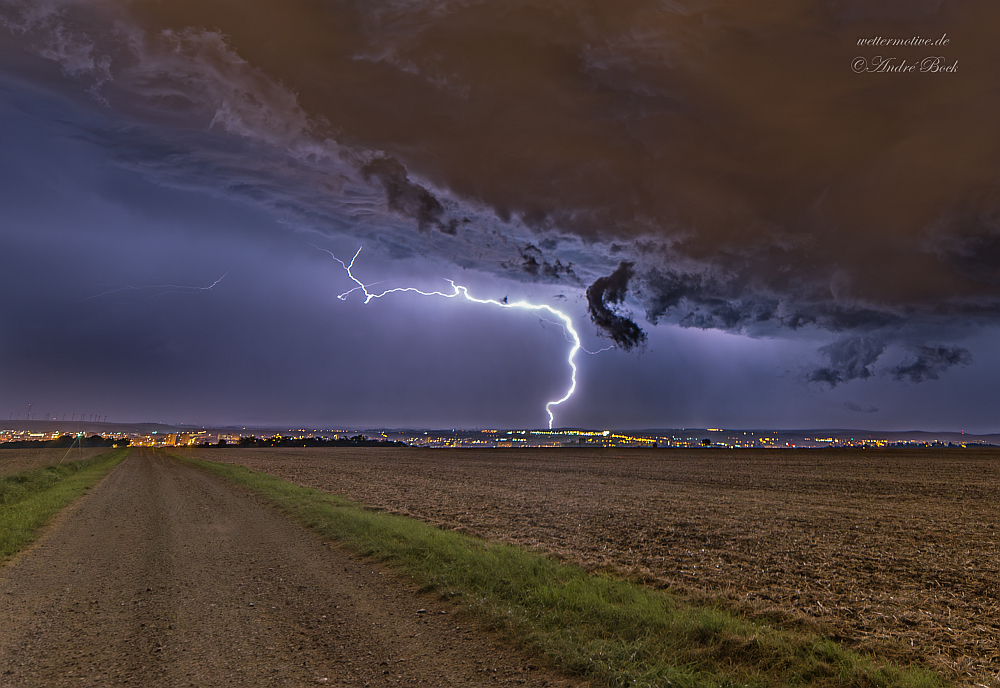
[(610, 631), (30, 498)]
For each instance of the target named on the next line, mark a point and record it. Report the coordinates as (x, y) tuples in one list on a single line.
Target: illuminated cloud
[(700, 163)]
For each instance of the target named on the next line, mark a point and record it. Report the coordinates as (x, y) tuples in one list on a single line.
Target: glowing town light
[(459, 290)]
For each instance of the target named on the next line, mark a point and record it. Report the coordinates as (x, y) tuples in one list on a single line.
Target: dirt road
[(166, 576)]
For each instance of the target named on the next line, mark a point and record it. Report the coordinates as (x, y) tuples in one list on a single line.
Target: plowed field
[(890, 550), (17, 460)]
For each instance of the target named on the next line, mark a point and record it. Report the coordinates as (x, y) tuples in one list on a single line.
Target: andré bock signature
[(932, 64), (928, 65)]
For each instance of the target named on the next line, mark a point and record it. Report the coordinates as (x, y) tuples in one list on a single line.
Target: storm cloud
[(928, 362), (850, 359), (602, 298), (405, 197), (702, 164)]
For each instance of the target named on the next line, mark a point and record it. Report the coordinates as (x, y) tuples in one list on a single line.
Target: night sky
[(771, 232)]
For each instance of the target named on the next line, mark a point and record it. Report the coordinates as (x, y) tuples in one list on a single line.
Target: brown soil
[(17, 460), (890, 550), (166, 576)]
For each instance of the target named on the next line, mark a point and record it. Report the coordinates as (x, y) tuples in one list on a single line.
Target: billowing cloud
[(407, 198), (602, 298), (928, 362), (850, 358), (752, 182)]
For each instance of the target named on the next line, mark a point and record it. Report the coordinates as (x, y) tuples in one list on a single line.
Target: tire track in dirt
[(165, 575)]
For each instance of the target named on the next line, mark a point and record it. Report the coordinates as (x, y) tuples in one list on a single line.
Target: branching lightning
[(163, 289), (564, 320)]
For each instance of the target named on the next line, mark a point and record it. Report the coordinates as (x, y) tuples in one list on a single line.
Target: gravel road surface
[(166, 576)]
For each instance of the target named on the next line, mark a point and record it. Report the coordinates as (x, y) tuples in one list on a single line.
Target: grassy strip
[(30, 498), (611, 631)]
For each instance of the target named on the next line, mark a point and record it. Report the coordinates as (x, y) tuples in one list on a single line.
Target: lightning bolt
[(458, 290), (167, 289)]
